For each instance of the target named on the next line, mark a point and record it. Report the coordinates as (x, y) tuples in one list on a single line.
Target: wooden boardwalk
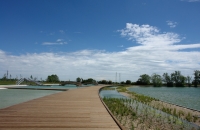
[(78, 109)]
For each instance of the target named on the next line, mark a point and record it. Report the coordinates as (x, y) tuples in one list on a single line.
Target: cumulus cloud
[(155, 52), (171, 24), (58, 42), (191, 0), (148, 35)]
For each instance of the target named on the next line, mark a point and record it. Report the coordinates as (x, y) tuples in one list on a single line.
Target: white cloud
[(62, 31), (156, 52), (58, 42), (146, 35), (191, 0), (171, 24)]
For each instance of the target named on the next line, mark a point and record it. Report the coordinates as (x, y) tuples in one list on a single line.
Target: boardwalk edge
[(116, 121)]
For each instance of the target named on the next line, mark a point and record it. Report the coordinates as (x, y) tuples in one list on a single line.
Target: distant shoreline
[(7, 86)]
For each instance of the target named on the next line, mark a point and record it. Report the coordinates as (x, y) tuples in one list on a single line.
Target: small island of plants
[(139, 112)]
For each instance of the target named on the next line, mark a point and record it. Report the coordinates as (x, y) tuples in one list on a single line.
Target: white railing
[(38, 83), (20, 81), (30, 80)]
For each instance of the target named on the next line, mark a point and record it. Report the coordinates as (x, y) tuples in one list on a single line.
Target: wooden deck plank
[(74, 109)]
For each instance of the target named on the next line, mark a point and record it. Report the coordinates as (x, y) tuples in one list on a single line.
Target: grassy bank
[(7, 82)]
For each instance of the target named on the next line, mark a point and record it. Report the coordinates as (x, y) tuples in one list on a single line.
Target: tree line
[(171, 80)]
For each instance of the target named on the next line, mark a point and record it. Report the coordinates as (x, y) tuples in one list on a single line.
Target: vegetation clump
[(142, 98), (135, 115), (122, 89), (108, 88)]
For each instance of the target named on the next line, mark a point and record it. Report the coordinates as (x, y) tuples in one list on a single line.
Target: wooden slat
[(74, 109)]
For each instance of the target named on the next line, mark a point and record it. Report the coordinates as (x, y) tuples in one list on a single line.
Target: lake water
[(9, 97), (111, 94), (183, 96), (52, 86), (142, 107)]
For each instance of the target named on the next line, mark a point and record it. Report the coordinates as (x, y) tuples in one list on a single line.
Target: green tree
[(53, 78), (109, 82), (196, 77), (4, 77), (103, 82), (78, 79), (89, 81), (156, 80), (168, 80), (144, 79), (122, 82), (128, 82), (189, 79), (178, 79)]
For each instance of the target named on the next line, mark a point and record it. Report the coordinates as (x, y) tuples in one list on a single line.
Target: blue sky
[(97, 38)]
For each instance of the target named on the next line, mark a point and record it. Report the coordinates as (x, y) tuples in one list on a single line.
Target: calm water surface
[(184, 96), (52, 86), (9, 97), (110, 94)]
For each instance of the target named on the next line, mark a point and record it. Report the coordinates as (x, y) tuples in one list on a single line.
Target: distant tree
[(52, 78), (156, 80), (196, 77), (144, 79), (10, 76), (4, 77), (168, 80), (128, 82), (109, 82), (122, 82), (178, 79), (89, 81), (31, 77), (189, 79), (78, 79), (103, 82)]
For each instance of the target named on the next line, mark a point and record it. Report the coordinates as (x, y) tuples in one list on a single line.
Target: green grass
[(13, 82), (130, 115), (122, 88), (7, 82), (108, 88), (143, 99)]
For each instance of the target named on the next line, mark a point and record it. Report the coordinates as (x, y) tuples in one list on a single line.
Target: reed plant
[(134, 115)]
